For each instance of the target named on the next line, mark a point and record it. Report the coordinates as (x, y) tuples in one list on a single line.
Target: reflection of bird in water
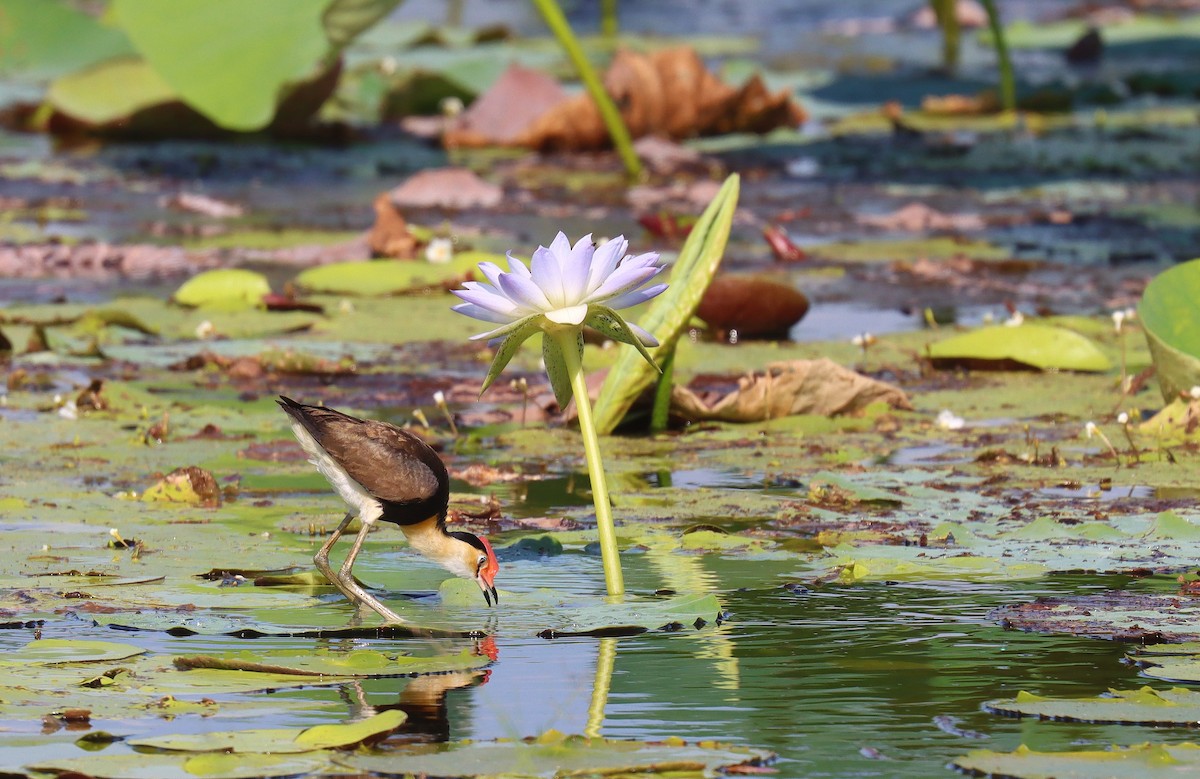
[(423, 699), (383, 472)]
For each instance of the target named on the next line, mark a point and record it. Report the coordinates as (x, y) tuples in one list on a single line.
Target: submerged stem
[(569, 346)]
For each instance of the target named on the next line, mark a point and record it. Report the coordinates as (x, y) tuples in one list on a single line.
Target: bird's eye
[(479, 565)]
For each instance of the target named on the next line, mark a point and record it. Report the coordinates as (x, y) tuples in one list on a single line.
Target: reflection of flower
[(566, 285)]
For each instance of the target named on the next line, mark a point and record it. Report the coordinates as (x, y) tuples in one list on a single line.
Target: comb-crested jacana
[(385, 473)]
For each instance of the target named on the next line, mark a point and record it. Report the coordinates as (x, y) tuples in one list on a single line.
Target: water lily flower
[(440, 251), (564, 288)]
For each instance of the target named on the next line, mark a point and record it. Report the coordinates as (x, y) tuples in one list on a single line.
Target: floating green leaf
[(229, 59), (278, 740), (111, 91), (670, 313), (637, 615), (44, 38), (51, 651), (174, 766), (388, 277), (358, 663), (554, 754), (1144, 761), (1147, 706), (1035, 346), (1171, 320), (228, 289)]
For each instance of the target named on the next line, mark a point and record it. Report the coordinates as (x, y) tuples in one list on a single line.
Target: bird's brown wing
[(392, 464)]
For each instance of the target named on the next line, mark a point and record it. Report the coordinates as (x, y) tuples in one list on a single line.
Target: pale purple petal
[(492, 271), (516, 267), (641, 260), (560, 247), (642, 335), (485, 297), (635, 297), (621, 281), (547, 274), (575, 271), (524, 292), (604, 261), (484, 314), (571, 315)]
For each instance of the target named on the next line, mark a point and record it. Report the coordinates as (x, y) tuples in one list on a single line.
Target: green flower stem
[(1008, 88), (558, 24), (661, 413), (568, 343), (608, 19)]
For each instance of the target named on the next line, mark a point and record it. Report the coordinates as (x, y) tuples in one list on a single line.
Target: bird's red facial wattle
[(486, 575)]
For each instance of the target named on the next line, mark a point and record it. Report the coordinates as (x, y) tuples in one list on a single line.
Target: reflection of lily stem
[(561, 28), (606, 660), (568, 344)]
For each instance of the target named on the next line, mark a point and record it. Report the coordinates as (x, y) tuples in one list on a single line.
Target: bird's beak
[(489, 591)]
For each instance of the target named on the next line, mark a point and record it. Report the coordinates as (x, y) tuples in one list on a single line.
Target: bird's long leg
[(345, 581), (321, 558)]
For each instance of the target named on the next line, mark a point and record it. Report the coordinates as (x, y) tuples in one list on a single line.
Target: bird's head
[(477, 561)]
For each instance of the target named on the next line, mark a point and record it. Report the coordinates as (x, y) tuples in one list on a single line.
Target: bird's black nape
[(469, 538)]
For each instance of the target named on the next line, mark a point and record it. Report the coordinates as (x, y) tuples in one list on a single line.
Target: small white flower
[(206, 330), (1130, 314), (948, 420), (1118, 318), (68, 410), (1122, 418), (1194, 392), (439, 398), (864, 340), (1091, 429), (387, 65), (345, 306), (440, 251), (451, 105), (1016, 320)]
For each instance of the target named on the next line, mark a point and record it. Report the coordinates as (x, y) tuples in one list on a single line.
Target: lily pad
[(279, 740), (51, 651), (227, 58), (361, 663), (1033, 346), (554, 755), (111, 91), (1177, 706), (1119, 616), (174, 766), (1144, 761), (1171, 320), (638, 616), (388, 277), (228, 289)]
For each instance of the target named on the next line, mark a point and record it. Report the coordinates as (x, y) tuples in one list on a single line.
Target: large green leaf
[(1171, 318), (388, 277), (1037, 346), (228, 59), (52, 651), (554, 754), (671, 312), (1144, 761), (111, 91), (44, 38)]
